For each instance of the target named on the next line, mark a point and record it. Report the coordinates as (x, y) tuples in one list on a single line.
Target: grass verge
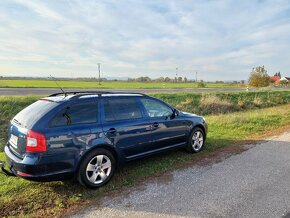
[(19, 197)]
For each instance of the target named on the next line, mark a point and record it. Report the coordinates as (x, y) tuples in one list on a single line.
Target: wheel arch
[(202, 128), (103, 146)]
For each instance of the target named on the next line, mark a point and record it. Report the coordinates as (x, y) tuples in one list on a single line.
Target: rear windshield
[(31, 114)]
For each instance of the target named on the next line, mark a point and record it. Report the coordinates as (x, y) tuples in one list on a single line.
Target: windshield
[(31, 114)]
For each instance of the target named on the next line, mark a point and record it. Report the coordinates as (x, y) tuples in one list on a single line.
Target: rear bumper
[(34, 167)]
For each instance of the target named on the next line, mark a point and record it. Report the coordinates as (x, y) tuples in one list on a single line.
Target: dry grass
[(185, 104), (211, 104)]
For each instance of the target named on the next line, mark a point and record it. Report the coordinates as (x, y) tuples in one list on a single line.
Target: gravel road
[(255, 183)]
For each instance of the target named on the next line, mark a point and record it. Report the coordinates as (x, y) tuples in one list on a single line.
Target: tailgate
[(24, 121), (17, 139)]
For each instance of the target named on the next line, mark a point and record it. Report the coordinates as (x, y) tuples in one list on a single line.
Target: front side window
[(83, 113), (121, 109), (156, 108)]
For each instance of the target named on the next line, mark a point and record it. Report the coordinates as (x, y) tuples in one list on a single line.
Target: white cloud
[(39, 8), (220, 39)]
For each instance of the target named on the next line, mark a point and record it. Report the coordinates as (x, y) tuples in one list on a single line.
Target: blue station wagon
[(86, 135)]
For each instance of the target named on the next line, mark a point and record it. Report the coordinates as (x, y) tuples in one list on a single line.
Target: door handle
[(112, 131), (155, 124)]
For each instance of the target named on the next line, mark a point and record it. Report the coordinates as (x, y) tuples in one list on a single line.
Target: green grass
[(105, 85), (19, 197)]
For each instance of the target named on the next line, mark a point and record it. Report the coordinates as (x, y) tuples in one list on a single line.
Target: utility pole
[(196, 76), (176, 74), (99, 67)]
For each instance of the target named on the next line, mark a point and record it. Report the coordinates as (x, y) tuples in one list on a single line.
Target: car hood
[(189, 114)]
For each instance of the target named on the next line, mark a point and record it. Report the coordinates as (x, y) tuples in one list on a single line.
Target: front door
[(166, 130)]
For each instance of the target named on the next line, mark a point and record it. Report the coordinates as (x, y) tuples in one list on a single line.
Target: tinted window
[(156, 108), (77, 114), (121, 109), (31, 114)]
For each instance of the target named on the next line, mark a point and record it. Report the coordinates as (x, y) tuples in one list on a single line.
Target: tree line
[(160, 79)]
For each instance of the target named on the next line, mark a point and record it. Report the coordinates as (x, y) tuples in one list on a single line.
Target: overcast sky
[(222, 40)]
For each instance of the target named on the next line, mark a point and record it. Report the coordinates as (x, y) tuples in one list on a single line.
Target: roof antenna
[(65, 94)]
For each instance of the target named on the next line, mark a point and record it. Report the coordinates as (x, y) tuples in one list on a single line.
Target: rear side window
[(83, 113), (121, 109), (31, 114)]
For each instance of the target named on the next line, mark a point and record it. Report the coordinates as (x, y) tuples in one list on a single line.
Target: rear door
[(70, 129), (125, 126), (70, 133)]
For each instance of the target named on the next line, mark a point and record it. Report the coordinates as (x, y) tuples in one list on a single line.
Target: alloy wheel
[(98, 169), (197, 140)]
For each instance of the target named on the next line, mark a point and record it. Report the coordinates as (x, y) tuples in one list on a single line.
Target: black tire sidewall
[(82, 169), (189, 147)]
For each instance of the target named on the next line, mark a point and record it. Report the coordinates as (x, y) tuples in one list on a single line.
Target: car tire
[(196, 140), (97, 168)]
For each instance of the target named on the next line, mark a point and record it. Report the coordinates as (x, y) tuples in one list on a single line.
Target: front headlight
[(203, 119)]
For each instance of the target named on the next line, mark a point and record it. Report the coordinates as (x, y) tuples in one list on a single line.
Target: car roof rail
[(78, 92), (84, 93), (129, 93)]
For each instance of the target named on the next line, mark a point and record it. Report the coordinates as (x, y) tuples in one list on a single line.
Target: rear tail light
[(35, 142)]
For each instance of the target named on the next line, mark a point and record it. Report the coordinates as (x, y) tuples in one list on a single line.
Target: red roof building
[(274, 78)]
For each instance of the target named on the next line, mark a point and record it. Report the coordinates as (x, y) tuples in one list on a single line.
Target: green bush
[(201, 85)]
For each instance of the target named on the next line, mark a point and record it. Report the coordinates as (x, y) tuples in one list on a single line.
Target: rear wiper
[(17, 122)]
